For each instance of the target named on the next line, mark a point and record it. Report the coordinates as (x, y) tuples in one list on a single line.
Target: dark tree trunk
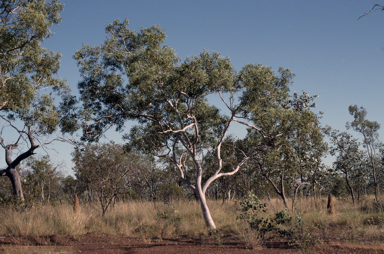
[(350, 189), (11, 171), (281, 192), (14, 176)]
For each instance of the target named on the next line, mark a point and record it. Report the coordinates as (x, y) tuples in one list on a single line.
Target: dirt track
[(96, 242)]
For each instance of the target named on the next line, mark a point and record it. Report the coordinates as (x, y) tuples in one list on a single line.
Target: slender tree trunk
[(14, 176), (376, 184), (320, 192), (49, 192), (216, 191), (42, 191), (358, 195), (90, 195), (350, 189), (281, 192)]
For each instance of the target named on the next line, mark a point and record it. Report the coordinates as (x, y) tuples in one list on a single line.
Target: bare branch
[(380, 7), (177, 131)]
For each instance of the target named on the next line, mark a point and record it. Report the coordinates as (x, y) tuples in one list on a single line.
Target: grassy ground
[(361, 223)]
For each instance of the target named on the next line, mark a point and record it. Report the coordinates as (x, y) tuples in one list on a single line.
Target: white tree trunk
[(206, 213)]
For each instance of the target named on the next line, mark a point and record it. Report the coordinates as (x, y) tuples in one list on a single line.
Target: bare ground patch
[(97, 242)]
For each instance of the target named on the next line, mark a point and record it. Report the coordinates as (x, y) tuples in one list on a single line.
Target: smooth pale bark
[(206, 213)]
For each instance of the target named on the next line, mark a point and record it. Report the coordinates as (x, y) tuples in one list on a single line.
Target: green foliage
[(26, 67), (339, 188), (12, 202), (255, 214), (301, 238), (71, 186), (374, 220), (169, 214), (133, 195), (169, 218), (169, 191)]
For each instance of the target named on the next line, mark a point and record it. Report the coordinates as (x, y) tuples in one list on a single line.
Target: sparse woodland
[(182, 170)]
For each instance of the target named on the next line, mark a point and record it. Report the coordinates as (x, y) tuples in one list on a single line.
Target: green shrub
[(256, 215)]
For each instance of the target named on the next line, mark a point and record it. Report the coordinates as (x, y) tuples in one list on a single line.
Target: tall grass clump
[(42, 220)]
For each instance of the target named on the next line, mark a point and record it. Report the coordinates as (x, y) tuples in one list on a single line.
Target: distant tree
[(42, 179), (293, 155), (106, 169), (146, 179), (369, 130), (70, 187), (349, 158), (169, 191)]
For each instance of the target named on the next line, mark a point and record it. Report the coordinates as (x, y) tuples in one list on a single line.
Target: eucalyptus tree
[(295, 154), (348, 158), (306, 143), (28, 75), (369, 130), (134, 76)]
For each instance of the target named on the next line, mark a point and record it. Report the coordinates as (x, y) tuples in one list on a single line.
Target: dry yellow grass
[(141, 219), (146, 221)]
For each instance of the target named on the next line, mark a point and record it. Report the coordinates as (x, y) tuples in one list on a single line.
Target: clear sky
[(332, 53)]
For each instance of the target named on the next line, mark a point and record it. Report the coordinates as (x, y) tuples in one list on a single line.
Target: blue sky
[(332, 53)]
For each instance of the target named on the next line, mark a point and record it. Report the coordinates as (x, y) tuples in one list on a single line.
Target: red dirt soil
[(98, 243)]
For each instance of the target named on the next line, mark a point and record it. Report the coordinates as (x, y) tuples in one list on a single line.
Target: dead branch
[(380, 7)]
